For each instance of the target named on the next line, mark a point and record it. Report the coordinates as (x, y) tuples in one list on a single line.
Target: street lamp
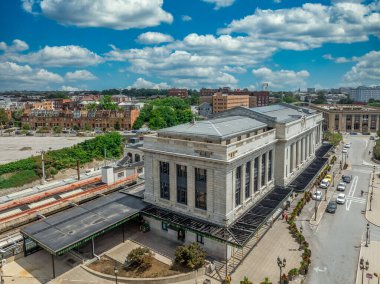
[(367, 235), (116, 271), (363, 266), (315, 206), (281, 264), (370, 201), (301, 229)]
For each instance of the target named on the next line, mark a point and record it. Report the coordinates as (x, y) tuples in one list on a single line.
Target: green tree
[(289, 99), (106, 103), (321, 99), (26, 127), (57, 129), (4, 119), (117, 125), (92, 106), (190, 256), (87, 127)]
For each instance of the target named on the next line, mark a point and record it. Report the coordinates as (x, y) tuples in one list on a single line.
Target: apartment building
[(180, 93), (222, 102)]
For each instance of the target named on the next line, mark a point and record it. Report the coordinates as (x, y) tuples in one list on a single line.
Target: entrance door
[(181, 235)]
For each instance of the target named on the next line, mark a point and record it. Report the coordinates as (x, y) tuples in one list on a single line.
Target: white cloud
[(70, 89), (282, 79), (186, 18), (119, 15), (220, 3), (311, 25), (18, 77), (366, 71), (339, 59), (17, 46), (142, 83), (154, 38), (80, 75), (59, 56)]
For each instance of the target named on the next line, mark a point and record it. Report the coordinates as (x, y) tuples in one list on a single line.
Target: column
[(242, 183), (377, 122), (267, 167), (294, 157), (259, 173), (307, 146), (360, 123), (190, 186), (302, 147), (251, 177), (298, 152), (173, 182)]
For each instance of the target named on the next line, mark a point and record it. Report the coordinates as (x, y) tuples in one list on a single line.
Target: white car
[(341, 186), (341, 199), (324, 183), (348, 145), (317, 195), (344, 151)]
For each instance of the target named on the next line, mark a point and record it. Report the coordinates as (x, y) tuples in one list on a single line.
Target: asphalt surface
[(335, 242)]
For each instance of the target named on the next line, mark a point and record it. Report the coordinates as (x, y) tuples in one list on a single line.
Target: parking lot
[(14, 148)]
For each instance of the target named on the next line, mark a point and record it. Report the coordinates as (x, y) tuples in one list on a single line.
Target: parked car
[(341, 199), (346, 179), (372, 138), (30, 133), (341, 186), (348, 145), (317, 195), (324, 183), (344, 151), (329, 178), (325, 142), (331, 207)]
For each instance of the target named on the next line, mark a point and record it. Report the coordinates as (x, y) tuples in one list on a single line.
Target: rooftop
[(347, 107), (221, 128), (283, 112), (64, 231)]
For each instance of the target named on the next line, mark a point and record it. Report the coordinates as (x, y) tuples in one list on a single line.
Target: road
[(335, 243)]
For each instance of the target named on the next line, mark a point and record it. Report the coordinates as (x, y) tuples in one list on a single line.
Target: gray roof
[(221, 128), (64, 230), (283, 112)]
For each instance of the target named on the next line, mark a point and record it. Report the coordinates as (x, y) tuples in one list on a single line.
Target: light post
[(367, 235), (370, 201), (116, 271), (333, 179), (315, 206), (301, 229), (281, 264), (363, 266)]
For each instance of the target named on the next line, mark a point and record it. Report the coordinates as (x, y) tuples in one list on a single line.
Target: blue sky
[(100, 44)]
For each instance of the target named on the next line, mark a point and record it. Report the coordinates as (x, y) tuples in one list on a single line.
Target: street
[(335, 242)]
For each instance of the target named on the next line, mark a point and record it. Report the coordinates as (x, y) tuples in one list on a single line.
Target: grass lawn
[(18, 179)]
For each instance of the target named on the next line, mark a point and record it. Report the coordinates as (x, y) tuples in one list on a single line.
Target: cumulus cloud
[(16, 46), (59, 56), (70, 89), (311, 25), (186, 18), (154, 38), (220, 3), (339, 59), (282, 79), (142, 83), (366, 71), (118, 15), (80, 75), (18, 77)]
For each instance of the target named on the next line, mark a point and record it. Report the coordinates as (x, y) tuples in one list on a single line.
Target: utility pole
[(43, 166), (105, 156), (78, 172)]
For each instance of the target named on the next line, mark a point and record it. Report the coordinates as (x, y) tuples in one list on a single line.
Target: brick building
[(222, 102), (180, 93)]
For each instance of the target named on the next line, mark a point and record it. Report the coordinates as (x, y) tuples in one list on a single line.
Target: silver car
[(341, 199), (341, 186)]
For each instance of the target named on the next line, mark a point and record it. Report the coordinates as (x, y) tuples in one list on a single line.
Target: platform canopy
[(63, 231)]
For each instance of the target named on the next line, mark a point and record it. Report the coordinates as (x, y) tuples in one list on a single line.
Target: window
[(201, 189), (200, 239), (256, 175), (238, 186), (270, 162), (164, 226), (181, 184), (164, 181), (247, 179), (263, 169)]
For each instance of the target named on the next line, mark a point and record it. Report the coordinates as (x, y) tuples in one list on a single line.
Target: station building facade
[(216, 170)]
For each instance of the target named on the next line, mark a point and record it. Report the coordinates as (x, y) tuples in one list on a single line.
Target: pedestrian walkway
[(372, 255), (373, 207)]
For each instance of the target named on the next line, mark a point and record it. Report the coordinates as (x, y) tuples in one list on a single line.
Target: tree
[(106, 103), (245, 281), (289, 99), (117, 125), (321, 99), (57, 129), (190, 256), (26, 127), (92, 106), (4, 119)]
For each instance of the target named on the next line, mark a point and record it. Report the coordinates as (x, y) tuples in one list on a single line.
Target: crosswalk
[(356, 199)]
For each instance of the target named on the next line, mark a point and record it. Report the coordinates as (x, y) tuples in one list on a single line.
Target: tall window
[(270, 162), (238, 186), (247, 179), (181, 184), (263, 168), (164, 180), (201, 188), (256, 175)]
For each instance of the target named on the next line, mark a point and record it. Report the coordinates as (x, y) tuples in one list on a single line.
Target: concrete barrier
[(159, 280)]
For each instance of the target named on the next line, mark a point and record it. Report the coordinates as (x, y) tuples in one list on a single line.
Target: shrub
[(190, 256), (246, 281), (140, 257), (266, 281)]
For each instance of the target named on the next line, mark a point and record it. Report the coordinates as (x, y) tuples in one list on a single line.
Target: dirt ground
[(107, 265), (14, 148)]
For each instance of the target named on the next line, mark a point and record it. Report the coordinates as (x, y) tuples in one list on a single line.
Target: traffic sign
[(369, 276)]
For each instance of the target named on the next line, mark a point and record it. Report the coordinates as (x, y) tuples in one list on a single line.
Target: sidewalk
[(372, 254), (373, 216)]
